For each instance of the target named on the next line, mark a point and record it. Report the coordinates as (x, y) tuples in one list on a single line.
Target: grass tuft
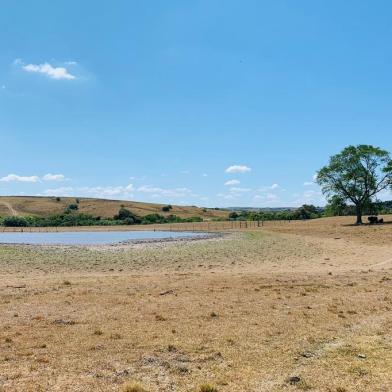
[(207, 388), (133, 387)]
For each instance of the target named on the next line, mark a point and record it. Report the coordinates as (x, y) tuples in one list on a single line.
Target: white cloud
[(232, 182), (149, 189), (238, 169), (239, 190), (108, 191), (62, 191), (46, 177), (204, 175), (313, 182), (270, 187), (53, 177), (156, 191), (267, 197), (16, 178), (309, 197), (48, 70), (104, 192)]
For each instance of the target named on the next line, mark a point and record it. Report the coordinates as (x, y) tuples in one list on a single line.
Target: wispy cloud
[(232, 182), (239, 190), (47, 69), (103, 192), (309, 197), (272, 187), (313, 182), (53, 177), (108, 191), (226, 196), (17, 178), (62, 191), (268, 197), (156, 191), (46, 177), (238, 169)]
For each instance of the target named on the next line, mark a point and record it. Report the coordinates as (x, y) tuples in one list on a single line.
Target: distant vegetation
[(338, 207), (355, 176), (71, 217), (304, 212)]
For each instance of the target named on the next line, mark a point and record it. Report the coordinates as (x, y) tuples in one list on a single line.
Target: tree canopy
[(356, 175)]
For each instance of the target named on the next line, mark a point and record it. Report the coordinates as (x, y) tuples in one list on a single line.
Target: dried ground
[(301, 306)]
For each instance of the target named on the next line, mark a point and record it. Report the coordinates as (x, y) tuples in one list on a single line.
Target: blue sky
[(214, 103)]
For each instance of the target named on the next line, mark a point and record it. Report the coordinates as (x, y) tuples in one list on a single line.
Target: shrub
[(73, 207), (129, 221), (233, 215), (58, 198), (153, 218), (167, 208), (127, 217), (15, 221)]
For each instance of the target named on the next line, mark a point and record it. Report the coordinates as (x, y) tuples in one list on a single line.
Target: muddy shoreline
[(132, 243)]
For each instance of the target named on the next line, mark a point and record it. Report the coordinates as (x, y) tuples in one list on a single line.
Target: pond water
[(89, 237)]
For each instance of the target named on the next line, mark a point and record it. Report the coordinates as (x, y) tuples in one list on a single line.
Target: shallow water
[(88, 237)]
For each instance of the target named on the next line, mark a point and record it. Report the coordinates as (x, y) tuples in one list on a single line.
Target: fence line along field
[(323, 225)]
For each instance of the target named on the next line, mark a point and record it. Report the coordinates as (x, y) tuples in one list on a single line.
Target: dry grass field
[(300, 306), (44, 206)]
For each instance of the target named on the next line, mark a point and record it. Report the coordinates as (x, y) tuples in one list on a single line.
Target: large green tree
[(357, 175)]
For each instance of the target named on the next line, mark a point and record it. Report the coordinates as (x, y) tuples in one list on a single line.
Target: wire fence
[(190, 226)]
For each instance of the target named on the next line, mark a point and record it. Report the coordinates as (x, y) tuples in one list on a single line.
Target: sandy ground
[(283, 308)]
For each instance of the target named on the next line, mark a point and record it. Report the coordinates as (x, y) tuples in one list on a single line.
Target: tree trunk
[(359, 215)]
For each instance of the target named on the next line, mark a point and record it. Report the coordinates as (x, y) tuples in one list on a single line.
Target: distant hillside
[(257, 209), (45, 206)]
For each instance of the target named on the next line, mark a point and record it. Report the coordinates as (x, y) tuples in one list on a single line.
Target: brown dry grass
[(247, 313), (43, 206)]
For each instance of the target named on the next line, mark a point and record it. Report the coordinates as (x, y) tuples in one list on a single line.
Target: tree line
[(71, 217)]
